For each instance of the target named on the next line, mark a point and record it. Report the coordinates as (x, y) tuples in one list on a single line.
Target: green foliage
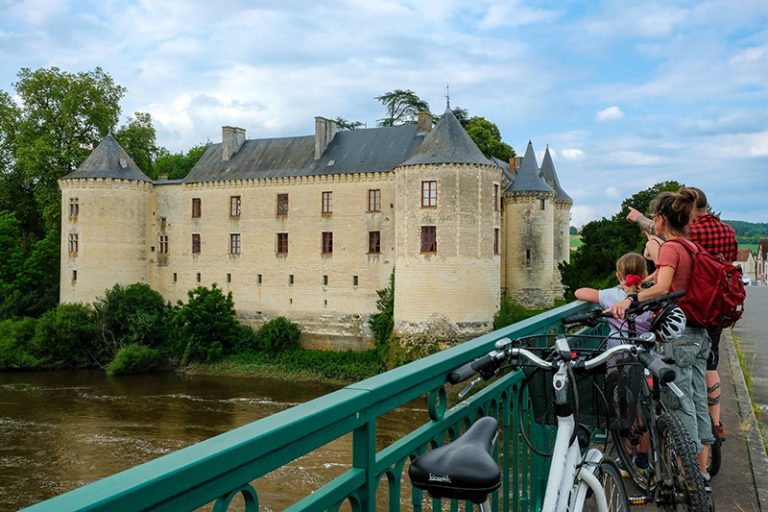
[(278, 335), (487, 137), (15, 337), (402, 107), (137, 138), (383, 322), (605, 240), (66, 337), (306, 364), (749, 232), (206, 327), (135, 358), (344, 124), (178, 165), (135, 314), (510, 311)]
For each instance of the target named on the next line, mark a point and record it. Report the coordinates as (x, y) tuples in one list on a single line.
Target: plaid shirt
[(715, 236)]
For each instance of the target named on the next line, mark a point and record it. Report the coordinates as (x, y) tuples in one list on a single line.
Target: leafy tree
[(605, 240), (138, 140), (402, 107), (38, 282), (488, 138), (66, 337), (178, 165), (383, 322), (15, 336), (206, 327), (135, 358), (278, 335), (344, 124)]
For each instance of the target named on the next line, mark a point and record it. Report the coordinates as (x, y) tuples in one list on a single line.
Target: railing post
[(364, 457)]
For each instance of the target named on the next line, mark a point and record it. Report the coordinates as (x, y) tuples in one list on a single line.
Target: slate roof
[(448, 142), (550, 176), (743, 254), (528, 177), (108, 160)]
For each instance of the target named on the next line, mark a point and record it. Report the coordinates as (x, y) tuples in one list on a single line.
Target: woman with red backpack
[(671, 212)]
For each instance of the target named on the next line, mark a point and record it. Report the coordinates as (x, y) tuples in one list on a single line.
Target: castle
[(311, 227)]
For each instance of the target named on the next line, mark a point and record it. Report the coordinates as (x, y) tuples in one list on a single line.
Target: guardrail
[(219, 469)]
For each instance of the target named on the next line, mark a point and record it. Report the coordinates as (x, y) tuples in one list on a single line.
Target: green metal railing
[(219, 469)]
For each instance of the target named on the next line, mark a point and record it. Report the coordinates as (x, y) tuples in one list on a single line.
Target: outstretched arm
[(588, 294)]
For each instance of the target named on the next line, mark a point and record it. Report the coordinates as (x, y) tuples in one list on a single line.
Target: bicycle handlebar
[(636, 309)]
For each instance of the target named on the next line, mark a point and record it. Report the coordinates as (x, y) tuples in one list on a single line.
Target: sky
[(625, 94)]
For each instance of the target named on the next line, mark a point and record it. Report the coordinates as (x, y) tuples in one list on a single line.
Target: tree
[(605, 240), (138, 140), (487, 137), (177, 165), (344, 124), (402, 107)]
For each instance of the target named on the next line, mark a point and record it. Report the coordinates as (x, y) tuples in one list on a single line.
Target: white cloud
[(610, 114), (613, 193), (573, 154)]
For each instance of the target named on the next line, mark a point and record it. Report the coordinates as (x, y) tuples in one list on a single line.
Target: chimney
[(325, 130), (514, 163), (231, 140), (424, 122)]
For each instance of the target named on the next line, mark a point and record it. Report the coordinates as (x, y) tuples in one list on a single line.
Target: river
[(60, 430)]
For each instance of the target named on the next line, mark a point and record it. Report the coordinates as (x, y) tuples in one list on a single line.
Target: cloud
[(610, 114), (613, 193), (573, 154)]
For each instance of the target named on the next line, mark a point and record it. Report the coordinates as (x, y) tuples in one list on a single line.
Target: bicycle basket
[(607, 395)]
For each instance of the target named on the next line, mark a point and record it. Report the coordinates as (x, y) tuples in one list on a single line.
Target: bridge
[(225, 470)]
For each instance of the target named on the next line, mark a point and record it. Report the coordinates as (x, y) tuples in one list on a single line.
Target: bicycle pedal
[(638, 500)]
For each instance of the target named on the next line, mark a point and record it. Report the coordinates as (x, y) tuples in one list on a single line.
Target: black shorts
[(714, 349)]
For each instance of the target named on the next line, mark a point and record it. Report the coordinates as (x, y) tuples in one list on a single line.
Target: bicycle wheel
[(628, 445), (681, 484), (613, 485), (715, 454)]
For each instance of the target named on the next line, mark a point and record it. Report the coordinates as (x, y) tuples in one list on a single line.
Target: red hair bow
[(633, 280)]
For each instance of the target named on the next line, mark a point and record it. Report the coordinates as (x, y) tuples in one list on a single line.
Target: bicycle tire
[(626, 442), (715, 453), (613, 485), (683, 486)]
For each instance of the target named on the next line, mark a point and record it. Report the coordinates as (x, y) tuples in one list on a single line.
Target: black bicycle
[(655, 449)]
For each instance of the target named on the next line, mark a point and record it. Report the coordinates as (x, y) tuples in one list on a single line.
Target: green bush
[(15, 336), (135, 358), (278, 335), (66, 337), (206, 327), (383, 322), (510, 311), (310, 364)]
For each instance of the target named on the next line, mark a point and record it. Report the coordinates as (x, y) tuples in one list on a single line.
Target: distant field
[(741, 246), (576, 242)]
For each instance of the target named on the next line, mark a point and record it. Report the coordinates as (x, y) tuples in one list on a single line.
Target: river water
[(61, 430)]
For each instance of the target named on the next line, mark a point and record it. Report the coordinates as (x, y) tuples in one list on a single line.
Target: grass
[(576, 242), (746, 369)]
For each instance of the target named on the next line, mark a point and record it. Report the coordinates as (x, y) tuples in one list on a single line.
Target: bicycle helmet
[(669, 324)]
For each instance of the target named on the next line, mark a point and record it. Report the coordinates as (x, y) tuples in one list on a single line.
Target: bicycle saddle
[(464, 469)]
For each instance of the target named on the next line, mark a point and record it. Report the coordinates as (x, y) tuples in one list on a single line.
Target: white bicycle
[(580, 476)]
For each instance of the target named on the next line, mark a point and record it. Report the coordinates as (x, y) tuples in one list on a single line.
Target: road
[(751, 332)]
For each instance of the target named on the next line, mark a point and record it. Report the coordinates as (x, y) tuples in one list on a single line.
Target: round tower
[(447, 237), (529, 255), (106, 204), (562, 219)]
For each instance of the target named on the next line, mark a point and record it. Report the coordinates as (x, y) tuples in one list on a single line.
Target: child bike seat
[(464, 469)]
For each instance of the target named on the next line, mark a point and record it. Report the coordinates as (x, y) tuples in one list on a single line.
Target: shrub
[(135, 358), (15, 336), (278, 335), (206, 327), (383, 322), (66, 337)]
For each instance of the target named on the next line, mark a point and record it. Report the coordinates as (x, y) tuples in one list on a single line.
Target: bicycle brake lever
[(469, 386)]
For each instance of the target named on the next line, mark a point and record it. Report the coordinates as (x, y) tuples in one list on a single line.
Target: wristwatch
[(632, 297)]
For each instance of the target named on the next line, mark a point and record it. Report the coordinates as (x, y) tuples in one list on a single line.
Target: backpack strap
[(692, 247)]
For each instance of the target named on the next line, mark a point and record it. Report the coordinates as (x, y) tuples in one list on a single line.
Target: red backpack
[(715, 294)]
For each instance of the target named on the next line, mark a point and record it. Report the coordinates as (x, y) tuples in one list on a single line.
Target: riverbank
[(298, 365)]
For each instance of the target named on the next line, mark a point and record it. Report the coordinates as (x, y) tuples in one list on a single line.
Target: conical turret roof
[(528, 177), (448, 143), (108, 160), (550, 175)]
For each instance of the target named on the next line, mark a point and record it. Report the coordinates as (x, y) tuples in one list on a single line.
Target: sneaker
[(622, 468), (720, 431), (707, 482)]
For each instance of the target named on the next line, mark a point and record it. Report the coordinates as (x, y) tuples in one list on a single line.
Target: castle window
[(74, 244), (74, 276), (527, 257), (496, 205), (196, 243), (374, 200), (199, 277), (74, 207), (229, 278), (428, 193), (163, 223), (327, 202), (163, 244), (327, 242), (234, 206), (354, 280), (542, 204), (496, 241), (325, 280), (374, 242), (175, 277), (428, 239), (258, 279), (282, 204), (290, 279), (234, 243), (282, 243), (197, 207)]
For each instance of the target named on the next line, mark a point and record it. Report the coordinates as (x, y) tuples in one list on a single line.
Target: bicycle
[(672, 479), (579, 479)]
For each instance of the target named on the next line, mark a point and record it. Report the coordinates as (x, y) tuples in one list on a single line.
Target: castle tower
[(529, 242), (447, 236), (106, 204), (562, 218)]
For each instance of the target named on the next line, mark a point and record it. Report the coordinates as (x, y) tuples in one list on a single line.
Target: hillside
[(749, 232)]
